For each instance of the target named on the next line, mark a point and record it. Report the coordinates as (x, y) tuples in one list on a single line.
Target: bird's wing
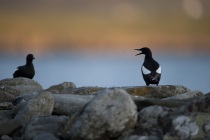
[(159, 70)]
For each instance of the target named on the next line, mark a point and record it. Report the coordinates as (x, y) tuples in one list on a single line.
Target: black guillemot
[(26, 70), (151, 70)]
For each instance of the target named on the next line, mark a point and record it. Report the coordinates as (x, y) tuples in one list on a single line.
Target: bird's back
[(25, 71)]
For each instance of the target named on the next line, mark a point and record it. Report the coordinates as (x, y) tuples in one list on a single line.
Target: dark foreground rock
[(41, 105), (64, 111)]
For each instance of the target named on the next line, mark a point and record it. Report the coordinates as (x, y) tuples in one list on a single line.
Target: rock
[(184, 127), (145, 102), (108, 116), (45, 136), (67, 104), (191, 126), (207, 94), (5, 137), (148, 117), (19, 86), (148, 123), (24, 97), (137, 137), (41, 105), (56, 89), (45, 125), (5, 115), (161, 91), (6, 106), (83, 90), (5, 96), (199, 104), (189, 94)]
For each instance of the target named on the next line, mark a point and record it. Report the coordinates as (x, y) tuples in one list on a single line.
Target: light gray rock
[(41, 105), (19, 86), (110, 114), (56, 89), (67, 104), (148, 117), (187, 95), (45, 136), (184, 128), (190, 126), (45, 125)]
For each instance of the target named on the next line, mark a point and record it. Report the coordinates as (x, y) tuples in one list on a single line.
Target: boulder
[(24, 97), (45, 136), (111, 114), (171, 103), (5, 115), (5, 137), (161, 91), (19, 86), (193, 126), (45, 125), (144, 137), (83, 90), (199, 104), (41, 105), (148, 117), (5, 96), (6, 106), (187, 95), (56, 89), (67, 104)]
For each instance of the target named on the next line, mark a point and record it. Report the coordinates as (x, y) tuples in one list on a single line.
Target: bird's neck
[(28, 63), (148, 55)]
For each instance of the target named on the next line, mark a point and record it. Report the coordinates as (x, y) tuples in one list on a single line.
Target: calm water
[(108, 71)]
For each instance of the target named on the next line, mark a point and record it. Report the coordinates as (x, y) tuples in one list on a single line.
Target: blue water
[(192, 71)]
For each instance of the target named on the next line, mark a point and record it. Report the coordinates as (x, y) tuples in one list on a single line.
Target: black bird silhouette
[(151, 70), (26, 70)]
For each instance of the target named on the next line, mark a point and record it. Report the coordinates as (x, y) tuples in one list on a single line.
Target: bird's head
[(144, 50), (30, 57)]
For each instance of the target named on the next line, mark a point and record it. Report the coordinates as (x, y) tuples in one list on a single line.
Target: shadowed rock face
[(45, 125), (41, 105)]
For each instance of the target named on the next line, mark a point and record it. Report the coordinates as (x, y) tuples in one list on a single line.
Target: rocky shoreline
[(67, 112)]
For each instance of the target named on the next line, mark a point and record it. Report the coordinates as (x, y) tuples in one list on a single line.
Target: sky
[(93, 26), (91, 43)]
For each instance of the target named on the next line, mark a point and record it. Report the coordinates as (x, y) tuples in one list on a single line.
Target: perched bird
[(26, 70), (151, 70)]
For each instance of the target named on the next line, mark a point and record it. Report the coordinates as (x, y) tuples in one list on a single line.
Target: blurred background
[(91, 43)]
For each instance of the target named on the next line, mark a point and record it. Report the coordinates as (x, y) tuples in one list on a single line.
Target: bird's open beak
[(138, 53)]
